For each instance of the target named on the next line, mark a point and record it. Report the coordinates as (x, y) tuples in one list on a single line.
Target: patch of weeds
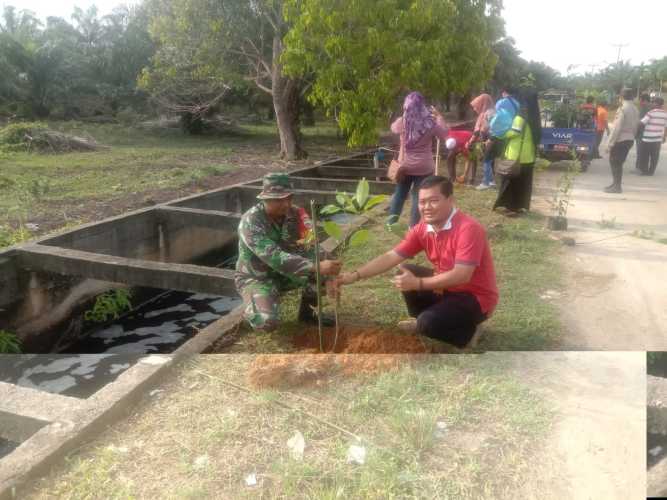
[(109, 305), (9, 343), (414, 427), (21, 136), (96, 477), (607, 223), (644, 234), (663, 241), (10, 236)]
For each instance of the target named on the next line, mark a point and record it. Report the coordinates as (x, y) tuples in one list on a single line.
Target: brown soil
[(358, 351), (56, 213), (356, 340)]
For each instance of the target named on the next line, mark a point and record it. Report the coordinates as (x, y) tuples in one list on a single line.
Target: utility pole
[(619, 46)]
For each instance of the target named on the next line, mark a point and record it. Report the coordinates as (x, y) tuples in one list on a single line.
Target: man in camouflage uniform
[(273, 257)]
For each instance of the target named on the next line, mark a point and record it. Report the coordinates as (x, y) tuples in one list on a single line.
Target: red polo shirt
[(461, 241)]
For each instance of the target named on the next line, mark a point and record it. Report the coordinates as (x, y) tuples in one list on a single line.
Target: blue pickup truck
[(565, 143)]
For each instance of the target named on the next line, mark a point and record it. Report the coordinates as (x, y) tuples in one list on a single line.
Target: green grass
[(495, 433), (526, 262), (133, 160)]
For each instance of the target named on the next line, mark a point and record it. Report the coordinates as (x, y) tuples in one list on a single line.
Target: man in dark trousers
[(449, 301), (653, 137), (621, 138), (644, 107)]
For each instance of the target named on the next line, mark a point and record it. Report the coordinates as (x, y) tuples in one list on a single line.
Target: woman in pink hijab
[(484, 106), (417, 127)]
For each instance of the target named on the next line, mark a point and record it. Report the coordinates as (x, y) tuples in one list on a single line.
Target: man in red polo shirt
[(450, 300)]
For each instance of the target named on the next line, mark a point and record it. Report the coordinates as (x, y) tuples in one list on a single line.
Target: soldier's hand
[(330, 267)]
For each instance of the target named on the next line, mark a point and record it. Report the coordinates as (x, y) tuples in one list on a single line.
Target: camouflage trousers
[(262, 300)]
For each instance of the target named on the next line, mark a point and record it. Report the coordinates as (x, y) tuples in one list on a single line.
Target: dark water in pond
[(6, 447), (158, 326), (656, 449)]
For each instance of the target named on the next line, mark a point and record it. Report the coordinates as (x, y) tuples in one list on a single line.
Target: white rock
[(251, 479), (296, 445), (655, 451), (356, 455), (201, 462), (115, 449)]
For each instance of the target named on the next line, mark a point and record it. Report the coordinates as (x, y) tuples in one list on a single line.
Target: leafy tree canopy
[(364, 54)]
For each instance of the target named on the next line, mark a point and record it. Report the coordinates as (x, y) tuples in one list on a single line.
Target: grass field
[(135, 167), (202, 437)]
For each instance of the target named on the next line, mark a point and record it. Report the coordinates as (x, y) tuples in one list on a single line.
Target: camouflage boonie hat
[(275, 186)]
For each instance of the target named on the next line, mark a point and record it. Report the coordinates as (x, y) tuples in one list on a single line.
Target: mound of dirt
[(358, 351), (355, 340)]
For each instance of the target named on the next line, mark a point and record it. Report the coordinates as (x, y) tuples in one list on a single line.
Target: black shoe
[(328, 320), (613, 189), (308, 311)]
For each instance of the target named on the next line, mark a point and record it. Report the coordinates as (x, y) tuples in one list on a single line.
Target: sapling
[(358, 204), (560, 202)]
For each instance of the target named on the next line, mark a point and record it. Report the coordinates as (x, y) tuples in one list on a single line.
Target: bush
[(23, 136), (128, 116), (36, 136)]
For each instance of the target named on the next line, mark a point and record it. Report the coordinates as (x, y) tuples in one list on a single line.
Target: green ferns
[(109, 305), (9, 343)]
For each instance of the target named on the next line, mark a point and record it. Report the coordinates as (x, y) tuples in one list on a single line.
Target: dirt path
[(600, 435), (615, 282)]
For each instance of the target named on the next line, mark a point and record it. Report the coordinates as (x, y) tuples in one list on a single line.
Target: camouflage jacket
[(270, 251)]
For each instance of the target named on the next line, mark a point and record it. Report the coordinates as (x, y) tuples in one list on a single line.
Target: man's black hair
[(446, 186), (628, 94), (659, 101), (590, 99)]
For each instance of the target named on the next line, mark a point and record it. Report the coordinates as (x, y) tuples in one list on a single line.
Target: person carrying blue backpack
[(507, 108)]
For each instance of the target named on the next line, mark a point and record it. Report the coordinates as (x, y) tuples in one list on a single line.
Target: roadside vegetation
[(446, 427)]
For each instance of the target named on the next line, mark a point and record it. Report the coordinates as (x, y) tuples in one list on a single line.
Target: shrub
[(23, 136), (128, 116), (9, 343)]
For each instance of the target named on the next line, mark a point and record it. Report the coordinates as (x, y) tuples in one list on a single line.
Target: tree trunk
[(285, 93), (463, 106), (286, 105)]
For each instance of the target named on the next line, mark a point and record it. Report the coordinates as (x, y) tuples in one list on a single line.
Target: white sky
[(64, 8), (564, 32), (557, 32)]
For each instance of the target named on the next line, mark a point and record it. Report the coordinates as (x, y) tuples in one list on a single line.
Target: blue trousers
[(401, 194)]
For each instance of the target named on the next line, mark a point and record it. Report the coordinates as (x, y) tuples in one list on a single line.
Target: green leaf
[(375, 200), (330, 210), (333, 230), (359, 238), (398, 228), (363, 190), (343, 199)]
